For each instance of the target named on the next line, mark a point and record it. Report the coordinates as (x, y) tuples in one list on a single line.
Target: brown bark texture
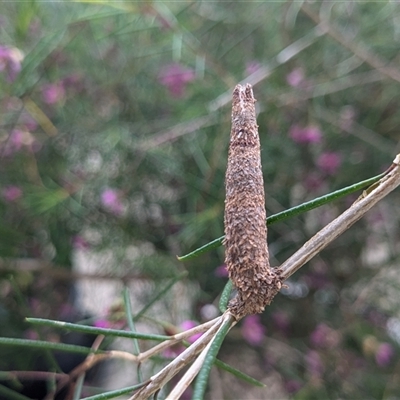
[(246, 251)]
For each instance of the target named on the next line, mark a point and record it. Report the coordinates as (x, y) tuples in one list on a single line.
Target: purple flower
[(252, 330), (78, 242), (309, 134), (11, 193), (252, 67), (189, 324), (324, 336), (313, 182), (28, 122), (347, 116), (53, 93), (18, 139), (295, 77), (293, 386), (10, 61), (221, 271), (329, 162), (73, 81), (314, 363), (384, 354), (319, 335), (102, 323), (281, 321), (110, 199), (175, 78), (31, 334)]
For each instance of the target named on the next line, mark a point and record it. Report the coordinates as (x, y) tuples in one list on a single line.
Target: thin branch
[(358, 49), (176, 339), (329, 233), (52, 271), (166, 374), (192, 372), (264, 72)]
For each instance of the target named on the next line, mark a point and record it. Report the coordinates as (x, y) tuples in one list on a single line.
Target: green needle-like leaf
[(202, 379), (159, 295), (291, 212), (95, 331), (225, 295), (41, 344), (238, 374), (6, 393), (114, 393)]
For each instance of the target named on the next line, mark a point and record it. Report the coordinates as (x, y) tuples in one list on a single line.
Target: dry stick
[(87, 364), (192, 372), (94, 359), (176, 339), (264, 72), (359, 50), (167, 373), (329, 233)]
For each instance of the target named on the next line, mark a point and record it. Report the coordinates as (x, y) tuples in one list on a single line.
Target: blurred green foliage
[(114, 127)]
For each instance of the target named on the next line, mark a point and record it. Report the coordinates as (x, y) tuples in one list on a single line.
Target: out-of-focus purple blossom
[(173, 351), (175, 77), (281, 321), (53, 93), (10, 61), (15, 142), (189, 324), (296, 77), (111, 201), (28, 122), (325, 337), (329, 162), (347, 116), (66, 311), (31, 334), (18, 139), (253, 331), (252, 66), (384, 354), (11, 193), (313, 182), (376, 318), (221, 271), (79, 243), (314, 363), (309, 134), (316, 280), (292, 386), (73, 81), (102, 323)]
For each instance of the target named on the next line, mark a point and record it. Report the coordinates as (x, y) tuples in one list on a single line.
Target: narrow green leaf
[(95, 331), (225, 295), (78, 387), (28, 76), (129, 317), (238, 374), (114, 393), (202, 379), (41, 344), (203, 249), (159, 295), (291, 212), (9, 394), (131, 324)]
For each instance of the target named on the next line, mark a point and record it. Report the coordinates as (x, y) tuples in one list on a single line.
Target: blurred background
[(114, 130)]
